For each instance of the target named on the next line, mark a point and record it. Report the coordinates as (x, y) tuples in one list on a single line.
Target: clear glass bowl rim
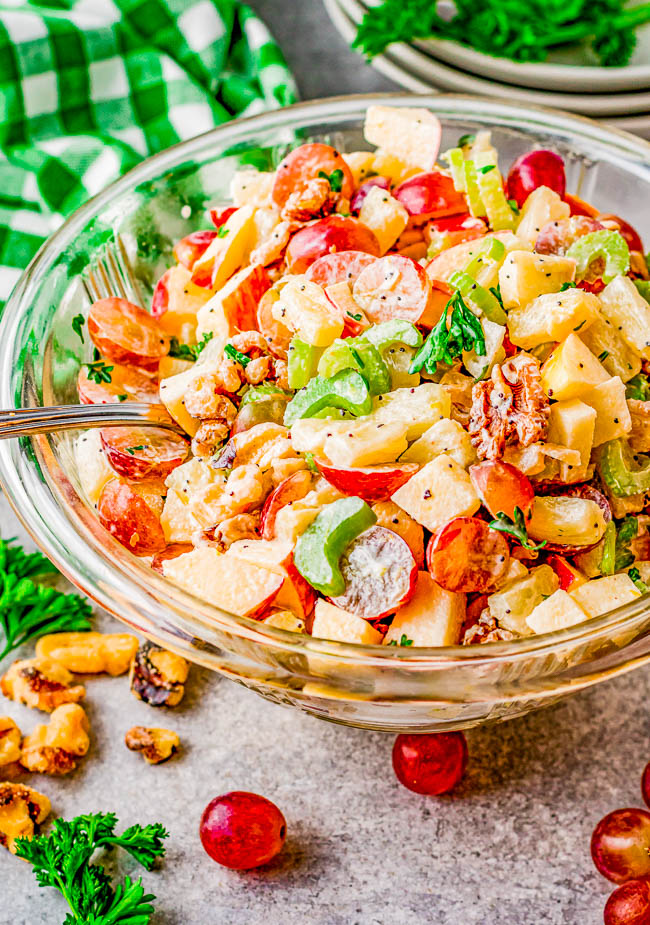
[(131, 579)]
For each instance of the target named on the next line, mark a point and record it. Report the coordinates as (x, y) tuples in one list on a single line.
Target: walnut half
[(40, 683), (21, 809), (158, 676), (10, 739), (156, 745), (52, 749), (90, 653)]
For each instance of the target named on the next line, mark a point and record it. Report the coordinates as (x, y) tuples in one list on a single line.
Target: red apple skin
[(357, 200), (563, 570), (303, 589), (371, 483), (430, 195), (293, 488), (334, 233), (220, 215), (173, 551), (261, 609), (188, 250), (160, 299), (455, 229)]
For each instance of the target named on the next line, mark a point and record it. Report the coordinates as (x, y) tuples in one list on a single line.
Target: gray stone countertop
[(509, 847)]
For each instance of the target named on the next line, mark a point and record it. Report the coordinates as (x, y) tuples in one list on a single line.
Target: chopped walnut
[(311, 199), (90, 653), (156, 745), (486, 629), (41, 683), (639, 435), (10, 739), (509, 406), (21, 810), (203, 400), (52, 749), (209, 438), (158, 676), (232, 529)]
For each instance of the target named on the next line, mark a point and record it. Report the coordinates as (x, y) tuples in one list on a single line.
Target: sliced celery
[(485, 300), (490, 184), (472, 190), (456, 160)]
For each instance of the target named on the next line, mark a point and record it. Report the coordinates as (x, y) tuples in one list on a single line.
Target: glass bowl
[(155, 204)]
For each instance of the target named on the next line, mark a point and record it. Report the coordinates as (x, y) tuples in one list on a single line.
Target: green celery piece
[(319, 549), (620, 472), (490, 185), (481, 297), (638, 387), (472, 190), (456, 160), (396, 331), (346, 390), (302, 362), (643, 287), (360, 356), (489, 251), (608, 560), (610, 245)]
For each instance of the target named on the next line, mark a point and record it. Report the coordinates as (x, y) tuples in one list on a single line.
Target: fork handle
[(19, 422)]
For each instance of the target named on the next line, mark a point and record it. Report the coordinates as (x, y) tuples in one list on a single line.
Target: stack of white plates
[(569, 80)]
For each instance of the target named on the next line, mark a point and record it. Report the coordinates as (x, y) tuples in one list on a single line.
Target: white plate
[(572, 68), (407, 59), (636, 125)]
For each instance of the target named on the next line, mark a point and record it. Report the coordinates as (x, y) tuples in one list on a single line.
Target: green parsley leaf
[(77, 326), (236, 356), (404, 641), (625, 534), (62, 860), (486, 169), (309, 459), (638, 387), (28, 609), (513, 205), (444, 345), (335, 179), (515, 527), (98, 371), (565, 286), (635, 575), (603, 356), (354, 315), (132, 450), (496, 292), (189, 351), (222, 231), (581, 325), (122, 397), (466, 140)]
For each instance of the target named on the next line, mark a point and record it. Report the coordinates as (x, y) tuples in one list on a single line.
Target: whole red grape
[(629, 904), (620, 845), (242, 830), (536, 168), (432, 763), (645, 784)]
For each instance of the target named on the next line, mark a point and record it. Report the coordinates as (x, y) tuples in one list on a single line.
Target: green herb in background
[(29, 610), (523, 30), (189, 351), (62, 860)]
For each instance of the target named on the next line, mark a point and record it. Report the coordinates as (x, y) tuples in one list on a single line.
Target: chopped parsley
[(513, 205), (335, 179), (515, 527), (444, 345), (466, 140), (486, 169), (132, 450), (565, 286), (77, 326), (356, 317), (189, 351), (222, 231), (122, 397), (603, 356), (635, 575), (309, 459), (236, 356), (98, 371), (404, 641)]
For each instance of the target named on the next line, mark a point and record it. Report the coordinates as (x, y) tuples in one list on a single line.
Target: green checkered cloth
[(90, 87)]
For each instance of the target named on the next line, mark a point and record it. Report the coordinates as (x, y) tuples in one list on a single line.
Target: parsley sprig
[(404, 641), (635, 575), (515, 527), (189, 351), (335, 179), (98, 371), (62, 860), (28, 609), (444, 345), (236, 356)]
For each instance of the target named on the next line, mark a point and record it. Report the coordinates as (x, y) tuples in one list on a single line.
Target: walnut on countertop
[(53, 748), (90, 653), (158, 676), (10, 739), (21, 809), (41, 683), (156, 745)]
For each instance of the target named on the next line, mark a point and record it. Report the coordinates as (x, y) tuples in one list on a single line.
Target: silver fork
[(111, 274)]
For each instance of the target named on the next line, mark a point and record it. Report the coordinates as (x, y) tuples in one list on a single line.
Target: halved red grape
[(242, 830), (143, 453), (502, 487), (393, 287), (266, 411), (326, 236), (578, 206), (465, 555), (454, 229), (173, 551), (339, 267), (127, 516), (430, 195), (645, 784), (629, 904), (620, 845), (379, 572), (534, 169), (306, 163), (616, 223), (357, 200), (125, 333), (188, 250), (431, 764), (127, 384), (372, 483)]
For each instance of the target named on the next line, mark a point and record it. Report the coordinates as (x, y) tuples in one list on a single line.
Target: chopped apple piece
[(173, 389), (388, 165), (524, 276), (433, 616), (233, 308), (177, 300), (552, 317), (295, 595), (445, 436), (365, 442), (555, 613), (612, 413), (623, 304), (194, 502), (604, 341), (571, 424), (418, 407), (361, 164), (227, 253), (479, 365), (512, 604), (93, 469), (305, 309), (385, 216), (437, 493), (572, 370), (245, 591), (285, 620), (412, 134), (251, 187), (542, 206), (566, 519), (331, 622), (603, 594)]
